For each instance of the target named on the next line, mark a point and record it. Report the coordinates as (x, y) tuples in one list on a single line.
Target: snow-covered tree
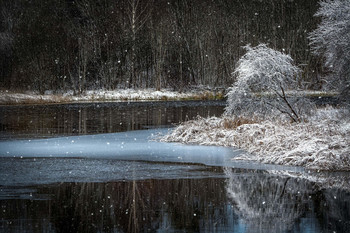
[(264, 81), (331, 39)]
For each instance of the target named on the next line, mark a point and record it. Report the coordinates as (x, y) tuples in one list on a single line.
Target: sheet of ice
[(108, 157), (133, 145)]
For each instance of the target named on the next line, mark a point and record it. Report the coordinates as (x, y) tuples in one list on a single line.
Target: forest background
[(81, 45)]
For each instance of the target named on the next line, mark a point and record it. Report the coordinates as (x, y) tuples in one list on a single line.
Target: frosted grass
[(321, 143)]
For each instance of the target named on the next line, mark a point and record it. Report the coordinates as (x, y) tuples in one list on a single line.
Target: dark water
[(40, 121), (122, 182)]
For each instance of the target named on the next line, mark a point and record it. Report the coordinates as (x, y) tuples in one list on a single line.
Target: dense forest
[(79, 45)]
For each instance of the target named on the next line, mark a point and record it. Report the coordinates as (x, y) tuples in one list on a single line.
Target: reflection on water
[(94, 118), (245, 201), (30, 172), (272, 203), (125, 206), (269, 203)]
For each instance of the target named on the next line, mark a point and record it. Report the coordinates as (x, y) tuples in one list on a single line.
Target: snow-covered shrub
[(264, 79), (331, 39)]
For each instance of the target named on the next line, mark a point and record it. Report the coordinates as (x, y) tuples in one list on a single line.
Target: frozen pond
[(89, 168)]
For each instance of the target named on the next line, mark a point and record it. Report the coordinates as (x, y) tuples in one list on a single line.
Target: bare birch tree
[(138, 14)]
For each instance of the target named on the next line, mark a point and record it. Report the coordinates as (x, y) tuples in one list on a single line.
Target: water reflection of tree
[(53, 120), (266, 202), (333, 207), (139, 206), (331, 198)]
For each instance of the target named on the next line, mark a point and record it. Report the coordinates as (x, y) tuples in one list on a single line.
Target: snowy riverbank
[(322, 143), (10, 97), (7, 97)]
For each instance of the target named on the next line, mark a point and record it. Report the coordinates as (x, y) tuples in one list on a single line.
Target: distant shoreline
[(122, 95)]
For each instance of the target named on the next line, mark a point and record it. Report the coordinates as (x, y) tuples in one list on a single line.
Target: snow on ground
[(132, 94), (8, 97), (19, 98), (322, 143), (101, 95)]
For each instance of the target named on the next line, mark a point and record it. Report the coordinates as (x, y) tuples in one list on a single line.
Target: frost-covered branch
[(264, 70), (331, 39)]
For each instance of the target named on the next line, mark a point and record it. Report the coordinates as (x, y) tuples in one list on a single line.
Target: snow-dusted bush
[(264, 78), (331, 39)]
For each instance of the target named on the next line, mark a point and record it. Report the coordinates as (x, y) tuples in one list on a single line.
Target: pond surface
[(41, 121), (89, 168)]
